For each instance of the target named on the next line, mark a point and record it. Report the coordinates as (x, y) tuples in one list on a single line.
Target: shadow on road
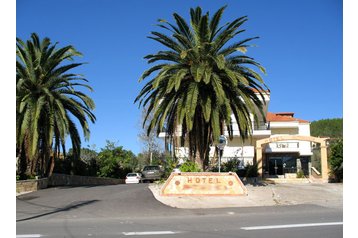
[(62, 209)]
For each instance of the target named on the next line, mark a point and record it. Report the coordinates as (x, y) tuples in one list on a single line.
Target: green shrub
[(336, 160), (170, 164), (230, 166), (251, 170), (190, 166), (300, 174)]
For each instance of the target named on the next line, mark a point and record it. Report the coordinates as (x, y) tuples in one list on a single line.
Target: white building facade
[(278, 158)]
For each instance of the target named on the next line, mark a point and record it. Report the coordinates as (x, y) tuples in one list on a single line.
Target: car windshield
[(151, 168), (131, 175)]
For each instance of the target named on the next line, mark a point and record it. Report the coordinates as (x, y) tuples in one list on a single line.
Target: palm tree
[(200, 82), (47, 102)]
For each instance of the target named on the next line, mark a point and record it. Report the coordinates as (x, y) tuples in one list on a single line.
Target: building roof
[(282, 116)]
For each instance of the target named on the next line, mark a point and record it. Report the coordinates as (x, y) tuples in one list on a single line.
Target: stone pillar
[(298, 165), (259, 160), (324, 162)]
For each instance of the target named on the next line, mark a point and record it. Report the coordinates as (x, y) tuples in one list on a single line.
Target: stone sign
[(203, 184)]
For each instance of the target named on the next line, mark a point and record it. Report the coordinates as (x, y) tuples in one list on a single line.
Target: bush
[(74, 166), (251, 170), (230, 166), (300, 174), (170, 164), (336, 160), (233, 166), (190, 166)]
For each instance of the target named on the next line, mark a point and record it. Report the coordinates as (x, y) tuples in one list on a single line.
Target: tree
[(332, 128), (47, 102), (115, 162), (151, 149), (336, 159), (85, 166), (200, 82)]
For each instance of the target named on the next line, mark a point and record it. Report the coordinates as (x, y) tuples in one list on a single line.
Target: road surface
[(132, 211)]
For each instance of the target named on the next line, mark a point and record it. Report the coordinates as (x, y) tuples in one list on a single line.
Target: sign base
[(203, 184)]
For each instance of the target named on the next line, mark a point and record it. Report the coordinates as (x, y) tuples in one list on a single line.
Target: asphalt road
[(132, 211)]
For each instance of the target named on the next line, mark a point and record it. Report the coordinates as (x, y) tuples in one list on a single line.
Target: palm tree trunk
[(51, 166), (22, 162)]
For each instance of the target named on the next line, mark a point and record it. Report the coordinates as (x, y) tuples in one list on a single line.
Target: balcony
[(259, 129)]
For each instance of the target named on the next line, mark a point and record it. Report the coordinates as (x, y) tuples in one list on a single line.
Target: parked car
[(151, 173), (133, 178)]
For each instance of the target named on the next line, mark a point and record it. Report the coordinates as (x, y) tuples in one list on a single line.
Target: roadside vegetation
[(49, 97), (332, 128), (336, 160)]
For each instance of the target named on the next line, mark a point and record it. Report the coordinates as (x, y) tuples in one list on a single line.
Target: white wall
[(305, 146)]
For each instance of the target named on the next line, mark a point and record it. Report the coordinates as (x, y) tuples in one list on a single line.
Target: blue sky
[(300, 45)]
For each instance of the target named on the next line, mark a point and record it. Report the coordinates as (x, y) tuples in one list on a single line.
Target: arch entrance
[(321, 141)]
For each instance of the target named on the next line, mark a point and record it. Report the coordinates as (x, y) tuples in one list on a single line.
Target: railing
[(257, 126), (315, 173), (261, 125)]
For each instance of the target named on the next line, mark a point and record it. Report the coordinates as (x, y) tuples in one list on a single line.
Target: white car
[(133, 178), (177, 169)]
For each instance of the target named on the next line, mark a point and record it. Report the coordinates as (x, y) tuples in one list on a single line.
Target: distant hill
[(332, 128)]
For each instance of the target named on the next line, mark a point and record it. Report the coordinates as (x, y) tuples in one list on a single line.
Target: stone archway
[(321, 141)]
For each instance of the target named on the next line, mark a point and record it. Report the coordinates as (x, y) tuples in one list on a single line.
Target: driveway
[(132, 210)]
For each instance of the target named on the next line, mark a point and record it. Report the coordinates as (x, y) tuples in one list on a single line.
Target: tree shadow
[(81, 186), (69, 207), (256, 182)]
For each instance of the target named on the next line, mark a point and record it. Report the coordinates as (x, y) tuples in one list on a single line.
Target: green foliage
[(115, 162), (230, 166), (190, 166), (26, 177), (233, 166), (48, 99), (199, 81), (300, 174), (251, 170), (332, 128), (86, 165), (170, 164), (336, 159)]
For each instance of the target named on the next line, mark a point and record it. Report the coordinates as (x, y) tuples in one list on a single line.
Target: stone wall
[(75, 180), (31, 185), (63, 180)]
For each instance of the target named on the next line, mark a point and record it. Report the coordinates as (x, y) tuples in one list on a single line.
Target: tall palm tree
[(48, 101), (201, 81)]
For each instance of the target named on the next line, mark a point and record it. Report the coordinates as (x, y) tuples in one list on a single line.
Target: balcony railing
[(261, 125), (258, 126)]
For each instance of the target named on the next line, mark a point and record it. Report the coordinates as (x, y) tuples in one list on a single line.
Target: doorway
[(281, 163), (275, 166)]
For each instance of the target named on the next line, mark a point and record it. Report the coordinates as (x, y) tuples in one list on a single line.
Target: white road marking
[(250, 228), (29, 236), (147, 233)]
